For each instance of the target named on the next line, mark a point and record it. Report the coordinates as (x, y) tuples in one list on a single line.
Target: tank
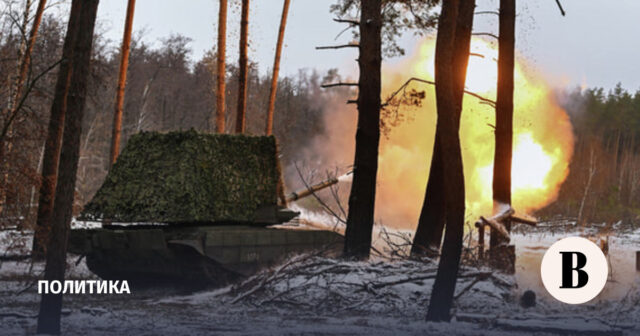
[(194, 209)]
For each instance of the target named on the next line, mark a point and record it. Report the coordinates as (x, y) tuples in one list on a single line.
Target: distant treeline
[(167, 90), (604, 181)]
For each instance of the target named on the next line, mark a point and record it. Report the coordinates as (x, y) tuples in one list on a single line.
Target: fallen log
[(496, 225), (474, 318), (522, 220), (506, 214), (15, 257), (495, 222)]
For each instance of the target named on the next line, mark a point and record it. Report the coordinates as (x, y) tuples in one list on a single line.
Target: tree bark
[(25, 65), (53, 142), (276, 68), (222, 71), (432, 218), (428, 235), (243, 68), (447, 130), (51, 304), (504, 113), (363, 189), (122, 82), (23, 73)]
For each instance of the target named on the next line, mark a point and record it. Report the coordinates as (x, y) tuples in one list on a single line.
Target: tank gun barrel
[(302, 193)]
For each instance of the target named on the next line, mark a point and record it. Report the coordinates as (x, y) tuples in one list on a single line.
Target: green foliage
[(603, 176), (182, 177), (398, 17), (594, 112)]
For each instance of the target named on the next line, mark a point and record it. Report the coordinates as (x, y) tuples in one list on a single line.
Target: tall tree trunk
[(122, 82), (504, 115), (431, 221), (53, 142), (243, 68), (25, 65), (222, 71), (432, 218), (51, 304), (276, 68), (23, 73), (363, 189), (22, 51), (447, 129)]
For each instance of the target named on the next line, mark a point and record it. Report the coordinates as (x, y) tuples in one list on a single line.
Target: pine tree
[(276, 68), (122, 82), (53, 143), (221, 87), (51, 304), (448, 74), (432, 217), (363, 189), (504, 125), (243, 65)]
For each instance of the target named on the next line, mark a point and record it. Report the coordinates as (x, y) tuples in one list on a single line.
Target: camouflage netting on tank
[(187, 177)]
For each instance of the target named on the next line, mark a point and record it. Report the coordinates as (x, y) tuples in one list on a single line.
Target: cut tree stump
[(503, 257)]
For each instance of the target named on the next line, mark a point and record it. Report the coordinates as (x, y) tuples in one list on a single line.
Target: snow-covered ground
[(313, 295)]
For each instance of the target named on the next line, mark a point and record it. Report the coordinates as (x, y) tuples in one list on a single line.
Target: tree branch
[(560, 7), (23, 100), (487, 12), (326, 86), (424, 81), (486, 34), (350, 45), (351, 22)]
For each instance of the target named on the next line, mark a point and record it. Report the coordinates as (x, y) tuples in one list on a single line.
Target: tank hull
[(199, 255)]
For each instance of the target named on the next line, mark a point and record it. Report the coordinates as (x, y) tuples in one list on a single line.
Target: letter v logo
[(568, 269), (574, 270)]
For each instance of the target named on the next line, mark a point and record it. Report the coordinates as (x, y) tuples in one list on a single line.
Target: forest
[(406, 199), (167, 91), (601, 186)]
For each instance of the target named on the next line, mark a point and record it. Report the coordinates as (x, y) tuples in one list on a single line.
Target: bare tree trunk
[(23, 73), (53, 142), (51, 304), (504, 115), (616, 152), (428, 235), (143, 105), (25, 65), (454, 192), (432, 218), (592, 172), (363, 189), (276, 68), (122, 82), (22, 50), (222, 71), (243, 68)]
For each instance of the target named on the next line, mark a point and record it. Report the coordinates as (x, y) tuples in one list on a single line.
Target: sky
[(593, 45)]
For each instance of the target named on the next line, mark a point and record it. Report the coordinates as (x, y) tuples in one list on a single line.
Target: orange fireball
[(543, 139)]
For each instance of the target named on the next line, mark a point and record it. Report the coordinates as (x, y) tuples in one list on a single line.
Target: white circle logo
[(574, 270)]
